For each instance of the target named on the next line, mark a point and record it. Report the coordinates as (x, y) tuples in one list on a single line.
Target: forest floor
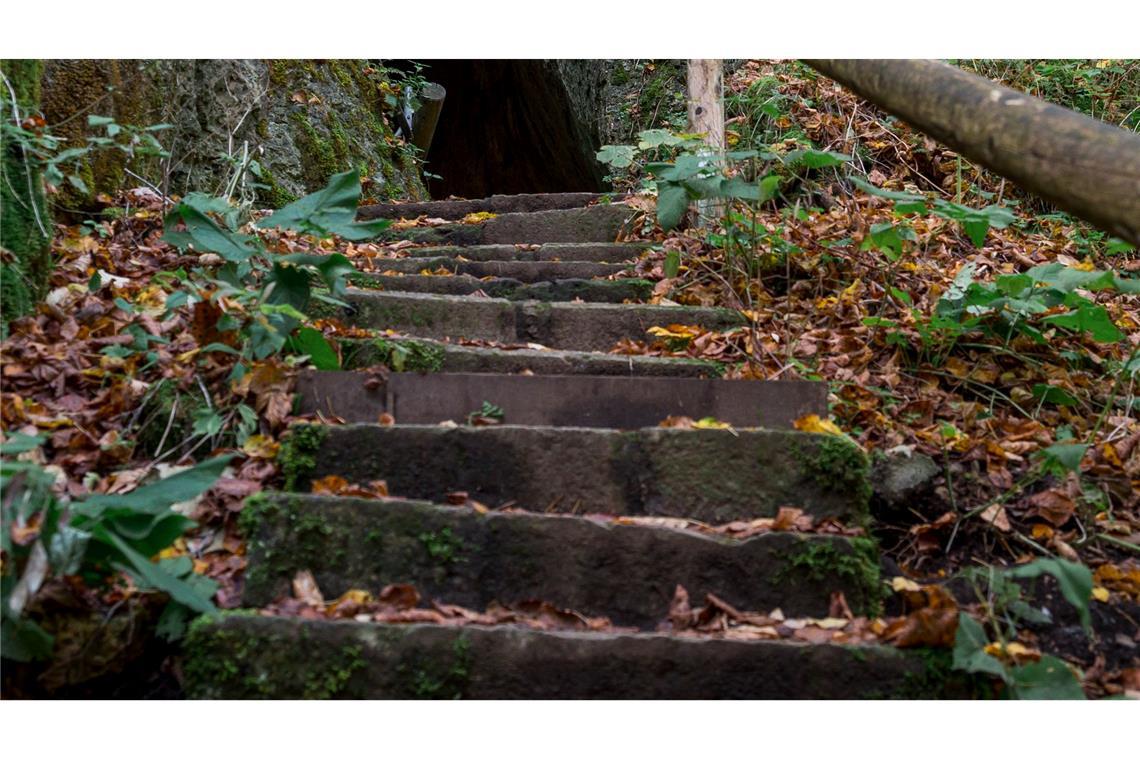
[(1032, 420)]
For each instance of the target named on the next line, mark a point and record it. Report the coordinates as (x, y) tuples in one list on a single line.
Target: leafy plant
[(272, 291), (975, 222), (94, 537), (1046, 678)]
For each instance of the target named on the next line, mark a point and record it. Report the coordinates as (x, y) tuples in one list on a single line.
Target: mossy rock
[(303, 120), (25, 224)]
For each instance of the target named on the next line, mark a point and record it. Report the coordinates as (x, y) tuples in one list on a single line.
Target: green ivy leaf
[(969, 650), (329, 211), (1049, 678), (617, 156), (1074, 579), (672, 201), (312, 342)]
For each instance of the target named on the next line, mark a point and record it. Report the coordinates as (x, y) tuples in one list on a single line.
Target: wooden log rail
[(1084, 166)]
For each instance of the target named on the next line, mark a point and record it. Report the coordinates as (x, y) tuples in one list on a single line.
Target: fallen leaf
[(813, 423), (305, 589)]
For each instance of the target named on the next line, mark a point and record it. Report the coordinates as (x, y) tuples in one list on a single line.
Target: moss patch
[(240, 664), (820, 561), (434, 679), (313, 542), (840, 466), (297, 455)]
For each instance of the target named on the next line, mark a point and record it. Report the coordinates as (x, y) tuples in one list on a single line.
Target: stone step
[(496, 204), (627, 573), (611, 252), (624, 403), (715, 476), (421, 355), (594, 224), (594, 291), (575, 326), (252, 657), (523, 271)]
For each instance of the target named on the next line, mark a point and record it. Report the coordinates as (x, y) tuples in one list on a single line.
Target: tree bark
[(25, 225), (706, 117), (1084, 166)]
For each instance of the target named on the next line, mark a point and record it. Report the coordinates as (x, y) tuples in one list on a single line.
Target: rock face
[(301, 121), (24, 221), (898, 480), (516, 126)]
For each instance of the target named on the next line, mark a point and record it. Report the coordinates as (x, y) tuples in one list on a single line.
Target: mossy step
[(593, 224), (523, 271), (421, 355), (715, 476), (625, 403), (496, 204), (255, 657), (575, 326), (627, 573), (593, 291), (611, 252)]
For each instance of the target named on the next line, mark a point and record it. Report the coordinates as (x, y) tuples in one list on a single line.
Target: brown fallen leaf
[(1053, 506), (306, 590), (399, 595), (995, 515)]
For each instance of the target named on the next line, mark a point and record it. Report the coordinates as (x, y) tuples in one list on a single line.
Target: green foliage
[(409, 355), (297, 454), (975, 222), (327, 212), (488, 412), (94, 537), (1049, 678), (274, 290), (442, 546)]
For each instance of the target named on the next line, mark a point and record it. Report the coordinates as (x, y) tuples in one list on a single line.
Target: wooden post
[(1088, 168), (427, 116), (706, 116)]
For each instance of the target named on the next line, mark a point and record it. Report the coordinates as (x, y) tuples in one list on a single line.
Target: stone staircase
[(579, 461)]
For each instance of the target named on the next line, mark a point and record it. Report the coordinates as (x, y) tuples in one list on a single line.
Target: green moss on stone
[(840, 466), (237, 664), (442, 680), (297, 455), (819, 561), (25, 223), (442, 546)]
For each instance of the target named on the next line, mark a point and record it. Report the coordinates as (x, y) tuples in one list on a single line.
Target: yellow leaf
[(477, 217), (813, 423), (1085, 266), (260, 447), (1100, 593), (900, 583), (354, 596), (711, 423), (675, 331), (1104, 63)]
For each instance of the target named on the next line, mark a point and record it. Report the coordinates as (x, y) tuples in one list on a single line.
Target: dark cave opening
[(514, 126)]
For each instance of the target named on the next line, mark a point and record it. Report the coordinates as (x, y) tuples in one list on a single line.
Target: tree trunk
[(25, 226), (706, 117), (1084, 166)]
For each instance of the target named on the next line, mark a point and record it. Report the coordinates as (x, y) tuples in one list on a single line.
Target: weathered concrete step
[(611, 252), (627, 573), (251, 657), (715, 476), (496, 204), (594, 291), (523, 271), (417, 355), (593, 224), (577, 326), (624, 403)]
